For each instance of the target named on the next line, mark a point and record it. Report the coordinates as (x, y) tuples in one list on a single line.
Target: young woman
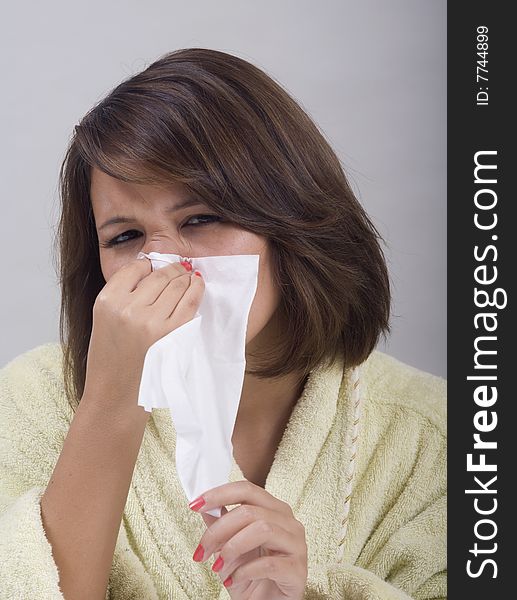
[(338, 485)]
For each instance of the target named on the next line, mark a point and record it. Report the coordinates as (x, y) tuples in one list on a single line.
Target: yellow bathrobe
[(362, 463)]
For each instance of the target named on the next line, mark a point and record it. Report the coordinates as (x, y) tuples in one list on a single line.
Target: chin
[(261, 337)]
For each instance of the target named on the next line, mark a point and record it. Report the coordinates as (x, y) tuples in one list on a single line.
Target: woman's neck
[(264, 410)]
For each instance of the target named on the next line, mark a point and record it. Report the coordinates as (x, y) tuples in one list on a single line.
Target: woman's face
[(156, 223)]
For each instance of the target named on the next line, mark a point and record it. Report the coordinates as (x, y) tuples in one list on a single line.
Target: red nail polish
[(218, 565), (227, 582), (198, 554), (197, 503), (197, 273), (187, 265)]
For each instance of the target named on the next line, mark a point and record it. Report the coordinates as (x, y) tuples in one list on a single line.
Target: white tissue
[(197, 370)]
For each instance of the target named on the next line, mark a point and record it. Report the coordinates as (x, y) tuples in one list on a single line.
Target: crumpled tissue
[(197, 370)]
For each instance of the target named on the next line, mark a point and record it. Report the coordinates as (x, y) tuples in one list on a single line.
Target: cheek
[(110, 266)]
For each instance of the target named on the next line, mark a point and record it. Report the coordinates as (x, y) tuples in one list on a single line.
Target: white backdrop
[(372, 74)]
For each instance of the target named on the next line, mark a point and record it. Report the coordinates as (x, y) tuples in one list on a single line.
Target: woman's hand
[(260, 548), (136, 308)]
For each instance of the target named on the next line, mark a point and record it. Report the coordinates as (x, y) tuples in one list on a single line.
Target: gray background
[(371, 74)]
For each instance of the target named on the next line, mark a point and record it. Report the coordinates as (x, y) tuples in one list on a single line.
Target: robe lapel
[(304, 436)]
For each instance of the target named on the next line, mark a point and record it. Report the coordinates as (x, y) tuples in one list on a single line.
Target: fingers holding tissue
[(260, 548), (133, 310)]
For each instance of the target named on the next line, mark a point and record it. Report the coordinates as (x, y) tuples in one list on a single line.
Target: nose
[(166, 247)]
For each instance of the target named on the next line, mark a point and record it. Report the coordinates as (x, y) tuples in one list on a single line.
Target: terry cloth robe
[(365, 473)]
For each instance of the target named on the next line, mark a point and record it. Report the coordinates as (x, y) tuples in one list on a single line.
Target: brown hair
[(232, 135)]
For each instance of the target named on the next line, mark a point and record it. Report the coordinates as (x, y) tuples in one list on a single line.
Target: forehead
[(109, 194)]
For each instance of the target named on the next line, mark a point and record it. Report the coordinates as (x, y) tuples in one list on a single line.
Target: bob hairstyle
[(229, 133)]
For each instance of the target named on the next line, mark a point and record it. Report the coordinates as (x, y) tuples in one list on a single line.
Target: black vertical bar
[(481, 127)]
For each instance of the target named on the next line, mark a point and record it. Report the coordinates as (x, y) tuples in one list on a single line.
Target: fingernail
[(197, 273), (187, 265), (227, 582), (218, 565), (198, 554), (197, 503)]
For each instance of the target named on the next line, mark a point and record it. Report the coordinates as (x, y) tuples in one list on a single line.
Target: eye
[(202, 220), (198, 217), (116, 241)]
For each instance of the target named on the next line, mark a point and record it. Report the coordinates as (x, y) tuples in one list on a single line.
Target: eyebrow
[(176, 207)]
